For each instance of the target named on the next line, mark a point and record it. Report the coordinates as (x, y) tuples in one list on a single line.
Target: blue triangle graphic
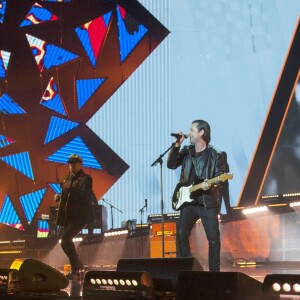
[(129, 38), (9, 107), (2, 11), (56, 187), (79, 147), (85, 89), (55, 104), (58, 127), (30, 203), (51, 98), (8, 213), (5, 141), (20, 162)]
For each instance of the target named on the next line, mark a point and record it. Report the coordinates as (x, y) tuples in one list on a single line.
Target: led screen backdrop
[(60, 61)]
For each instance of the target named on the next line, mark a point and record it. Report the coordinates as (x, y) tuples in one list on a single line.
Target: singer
[(75, 211), (199, 160)]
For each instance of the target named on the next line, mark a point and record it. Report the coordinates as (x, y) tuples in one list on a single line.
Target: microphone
[(146, 204), (179, 136), (71, 177)]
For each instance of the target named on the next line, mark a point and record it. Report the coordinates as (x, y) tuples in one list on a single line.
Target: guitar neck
[(200, 185)]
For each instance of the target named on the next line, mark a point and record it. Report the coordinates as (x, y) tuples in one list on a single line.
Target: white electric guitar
[(183, 192)]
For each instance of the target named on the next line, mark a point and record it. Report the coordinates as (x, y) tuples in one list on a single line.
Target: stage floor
[(75, 287)]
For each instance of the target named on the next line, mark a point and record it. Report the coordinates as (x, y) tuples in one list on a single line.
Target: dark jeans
[(67, 244), (209, 217)]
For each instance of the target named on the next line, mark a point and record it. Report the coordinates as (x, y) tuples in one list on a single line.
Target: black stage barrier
[(164, 271), (217, 286)]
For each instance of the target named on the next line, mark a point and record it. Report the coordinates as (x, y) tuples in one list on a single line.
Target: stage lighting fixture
[(255, 210), (116, 232), (117, 285), (12, 247), (276, 286)]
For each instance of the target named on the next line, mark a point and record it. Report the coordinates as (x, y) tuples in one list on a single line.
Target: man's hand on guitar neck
[(205, 185), (57, 197)]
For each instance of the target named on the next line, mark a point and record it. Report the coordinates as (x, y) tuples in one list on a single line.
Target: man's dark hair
[(201, 124)]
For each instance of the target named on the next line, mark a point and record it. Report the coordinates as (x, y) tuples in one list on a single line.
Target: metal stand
[(142, 212), (111, 212), (160, 161)]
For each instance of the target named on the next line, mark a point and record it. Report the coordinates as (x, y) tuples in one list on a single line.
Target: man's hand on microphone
[(68, 183), (179, 141)]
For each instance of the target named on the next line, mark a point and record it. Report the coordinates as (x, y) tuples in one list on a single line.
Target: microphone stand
[(111, 212), (160, 161), (142, 212)]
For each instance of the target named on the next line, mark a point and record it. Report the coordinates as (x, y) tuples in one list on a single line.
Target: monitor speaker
[(37, 276), (164, 271), (218, 286)]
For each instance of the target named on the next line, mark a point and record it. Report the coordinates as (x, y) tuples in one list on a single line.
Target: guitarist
[(199, 160), (75, 210)]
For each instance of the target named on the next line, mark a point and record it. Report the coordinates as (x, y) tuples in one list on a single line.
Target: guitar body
[(184, 194), (61, 214), (181, 196)]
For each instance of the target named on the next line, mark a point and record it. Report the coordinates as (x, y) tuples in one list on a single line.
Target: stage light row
[(115, 233), (108, 281), (275, 285), (255, 210), (286, 287)]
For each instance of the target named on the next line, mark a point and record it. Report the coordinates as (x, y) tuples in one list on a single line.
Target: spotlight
[(276, 286), (118, 285)]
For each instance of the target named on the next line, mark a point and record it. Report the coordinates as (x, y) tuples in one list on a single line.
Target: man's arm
[(174, 158)]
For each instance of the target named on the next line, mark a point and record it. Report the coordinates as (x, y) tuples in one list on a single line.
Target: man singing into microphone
[(75, 211), (199, 160)]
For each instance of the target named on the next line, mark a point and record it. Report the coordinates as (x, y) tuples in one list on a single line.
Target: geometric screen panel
[(4, 60), (2, 10), (52, 99), (4, 141), (63, 52), (30, 203), (130, 32), (37, 15), (48, 55), (9, 106), (92, 35), (56, 187), (8, 214), (79, 147), (277, 150), (43, 229), (21, 162), (58, 127), (85, 89)]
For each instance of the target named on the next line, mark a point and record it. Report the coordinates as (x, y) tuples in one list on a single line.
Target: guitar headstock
[(225, 176)]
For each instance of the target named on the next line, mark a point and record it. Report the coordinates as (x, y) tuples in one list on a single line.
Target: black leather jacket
[(211, 164), (79, 208)]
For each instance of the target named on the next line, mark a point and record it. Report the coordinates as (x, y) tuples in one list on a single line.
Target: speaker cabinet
[(217, 286), (164, 271), (37, 276), (156, 246)]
